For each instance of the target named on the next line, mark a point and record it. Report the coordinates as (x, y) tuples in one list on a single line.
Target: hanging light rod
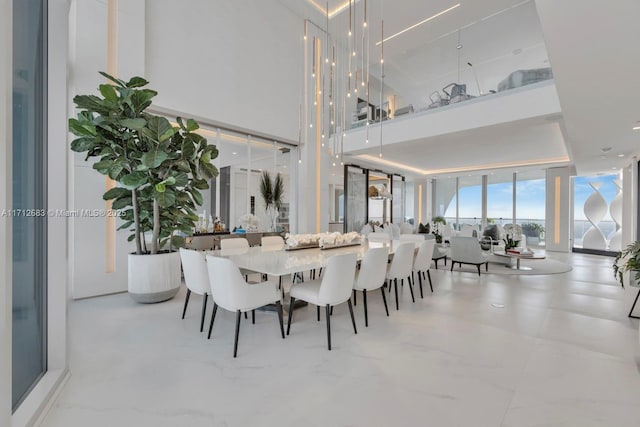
[(418, 24)]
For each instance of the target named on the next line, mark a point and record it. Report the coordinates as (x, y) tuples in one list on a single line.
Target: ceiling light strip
[(418, 24)]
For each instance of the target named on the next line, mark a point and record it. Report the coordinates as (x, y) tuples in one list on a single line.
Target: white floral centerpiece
[(322, 240), (250, 222)]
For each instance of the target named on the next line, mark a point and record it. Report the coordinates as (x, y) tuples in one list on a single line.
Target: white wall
[(88, 21), (233, 61), (6, 75), (629, 202)]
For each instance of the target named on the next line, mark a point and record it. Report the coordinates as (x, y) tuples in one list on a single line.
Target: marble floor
[(561, 352)]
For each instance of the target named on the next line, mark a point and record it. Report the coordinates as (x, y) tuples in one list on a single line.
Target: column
[(559, 197)]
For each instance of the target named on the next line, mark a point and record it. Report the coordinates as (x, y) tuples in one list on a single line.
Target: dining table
[(280, 262)]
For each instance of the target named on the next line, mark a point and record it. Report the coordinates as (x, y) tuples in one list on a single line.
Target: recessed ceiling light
[(234, 153), (614, 167), (620, 155), (636, 128), (605, 149)]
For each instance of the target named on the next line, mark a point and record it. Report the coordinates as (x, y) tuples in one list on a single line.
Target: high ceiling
[(589, 44)]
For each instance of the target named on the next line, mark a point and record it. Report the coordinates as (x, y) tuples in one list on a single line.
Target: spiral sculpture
[(595, 208), (615, 210)]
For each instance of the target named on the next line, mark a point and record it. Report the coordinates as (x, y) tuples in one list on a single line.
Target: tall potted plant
[(160, 170), (272, 192), (628, 261)]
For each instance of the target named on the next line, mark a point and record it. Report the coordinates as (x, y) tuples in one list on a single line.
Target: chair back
[(373, 269), (465, 249), (337, 281), (272, 242), (424, 256), (468, 230), (234, 243), (194, 266), (379, 236), (402, 261), (416, 238), (228, 287)]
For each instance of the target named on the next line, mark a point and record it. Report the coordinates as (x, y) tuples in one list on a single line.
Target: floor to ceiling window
[(500, 198), (596, 217), (469, 200), (29, 196), (530, 205)]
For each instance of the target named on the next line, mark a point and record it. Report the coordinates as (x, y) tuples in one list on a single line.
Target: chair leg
[(253, 317), (395, 285), (411, 289), (279, 306), (430, 284), (354, 298), (331, 311), (364, 301), (245, 315), (291, 302), (486, 266), (235, 343), (384, 299), (186, 302), (478, 269), (213, 316), (420, 283), (204, 310), (318, 311), (328, 315), (452, 264), (353, 319)]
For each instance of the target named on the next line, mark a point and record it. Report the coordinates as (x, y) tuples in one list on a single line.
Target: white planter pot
[(154, 278)]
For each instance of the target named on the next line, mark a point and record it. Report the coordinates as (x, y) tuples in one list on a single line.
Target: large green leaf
[(116, 192), (166, 199), (121, 203), (192, 125), (208, 170), (81, 145), (137, 82), (134, 180), (158, 129), (135, 124), (109, 93), (113, 79), (82, 128), (153, 159)]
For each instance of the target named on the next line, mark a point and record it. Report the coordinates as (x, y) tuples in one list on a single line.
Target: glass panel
[(29, 197), (379, 203), (410, 202), (500, 198), (470, 201), (530, 205), (593, 226), (398, 200), (356, 208)]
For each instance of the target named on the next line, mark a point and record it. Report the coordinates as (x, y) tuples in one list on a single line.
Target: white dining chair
[(196, 278), (231, 292), (416, 238), (272, 242), (401, 267), (371, 276), (235, 243), (422, 262), (379, 237), (334, 288)]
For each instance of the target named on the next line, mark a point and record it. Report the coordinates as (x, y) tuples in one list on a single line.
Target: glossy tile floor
[(561, 352)]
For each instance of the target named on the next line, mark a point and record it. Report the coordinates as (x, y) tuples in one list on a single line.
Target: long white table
[(280, 262)]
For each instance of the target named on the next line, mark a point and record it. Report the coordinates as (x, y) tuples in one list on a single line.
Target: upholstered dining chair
[(231, 292), (371, 276), (401, 267), (334, 288), (379, 236), (196, 278), (272, 242), (416, 238), (467, 250), (422, 262)]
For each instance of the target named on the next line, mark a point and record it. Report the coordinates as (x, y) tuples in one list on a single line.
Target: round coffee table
[(514, 259)]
